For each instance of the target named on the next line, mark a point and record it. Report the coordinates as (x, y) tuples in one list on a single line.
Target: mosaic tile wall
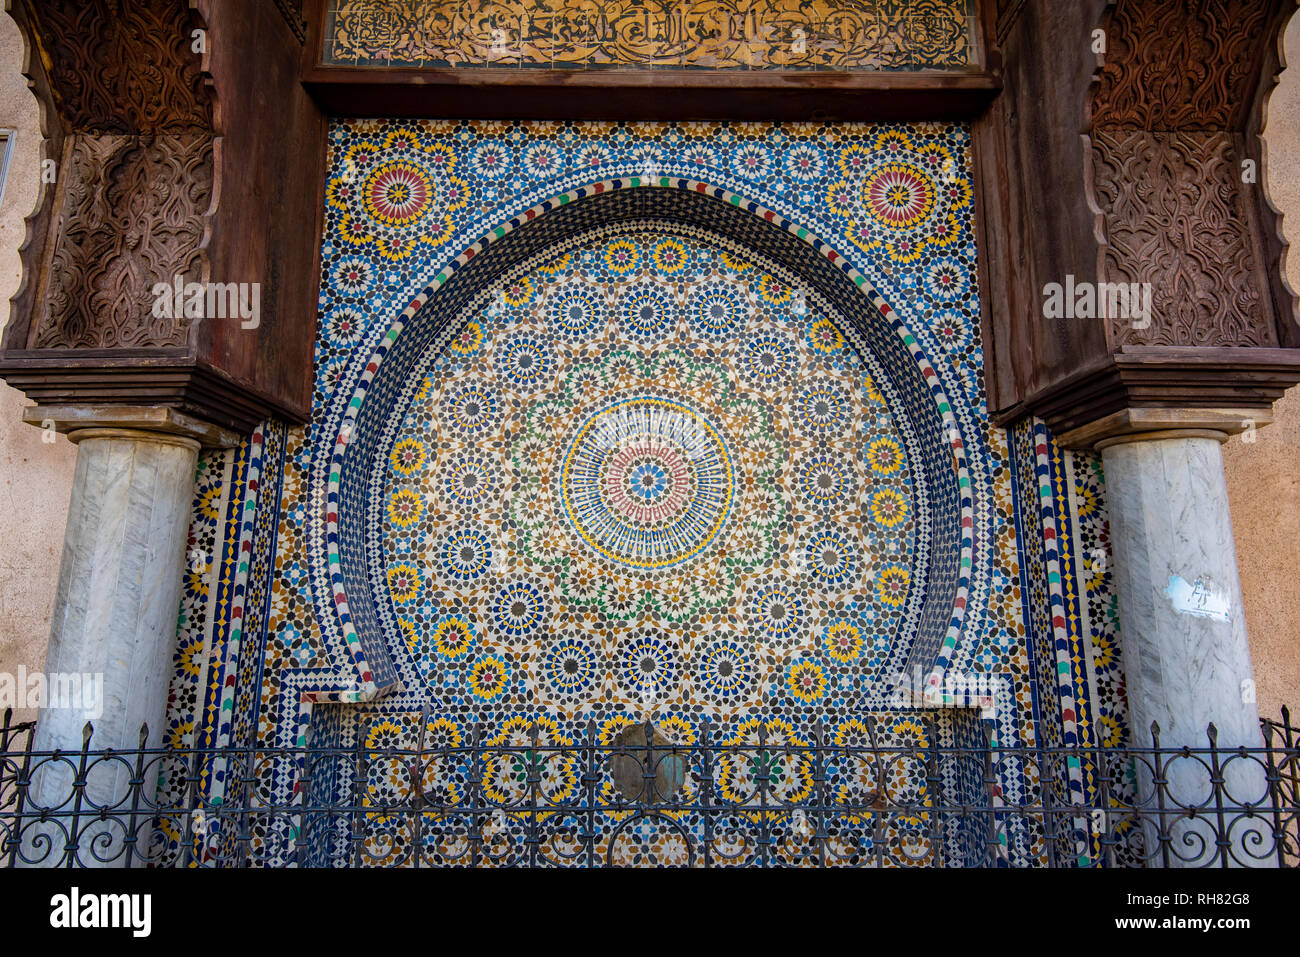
[(625, 419)]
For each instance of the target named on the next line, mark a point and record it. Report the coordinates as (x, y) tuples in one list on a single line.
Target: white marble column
[(115, 612), (1186, 658)]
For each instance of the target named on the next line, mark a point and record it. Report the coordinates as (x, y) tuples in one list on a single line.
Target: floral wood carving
[(131, 217), (1172, 104), (1180, 64), (135, 171), (1174, 218), (122, 66)]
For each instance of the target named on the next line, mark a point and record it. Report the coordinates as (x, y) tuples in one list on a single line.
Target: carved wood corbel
[(1162, 192), (149, 185)]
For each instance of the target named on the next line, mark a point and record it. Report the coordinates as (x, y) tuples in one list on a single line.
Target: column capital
[(156, 422), (1149, 425)]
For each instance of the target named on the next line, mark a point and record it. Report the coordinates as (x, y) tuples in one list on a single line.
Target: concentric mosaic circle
[(647, 482)]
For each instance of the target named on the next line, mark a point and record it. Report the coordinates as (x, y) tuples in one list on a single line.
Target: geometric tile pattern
[(586, 449)]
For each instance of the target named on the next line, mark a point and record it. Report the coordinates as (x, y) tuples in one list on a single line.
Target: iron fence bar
[(137, 787), (788, 830), (1274, 780), (78, 792), (934, 788), (192, 800), (532, 838), (590, 776), (1047, 773), (1158, 782), (990, 793), (475, 783), (21, 783), (1105, 839), (706, 792)]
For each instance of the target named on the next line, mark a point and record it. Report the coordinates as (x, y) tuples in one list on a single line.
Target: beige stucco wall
[(1264, 476), (35, 476)]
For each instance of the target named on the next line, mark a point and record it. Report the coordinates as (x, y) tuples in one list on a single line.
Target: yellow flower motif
[(669, 256), (911, 731), (839, 197), (938, 159), (885, 456), (872, 391), (405, 508), (383, 734), (958, 191), (208, 502), (425, 388), (444, 232), (852, 734), (613, 726), (1087, 498), (487, 679), (735, 263), (824, 337), (864, 236), (774, 290), (1112, 733), (408, 455), (676, 730), (806, 681), (1105, 651), (191, 657), (622, 256), (790, 774), (883, 140), (442, 733), (843, 642), (403, 136), (441, 155), (403, 582), (905, 251), (853, 159), (945, 237), (456, 196), (891, 585), (467, 341), (518, 293), (453, 637), (178, 736), (556, 265), (888, 507)]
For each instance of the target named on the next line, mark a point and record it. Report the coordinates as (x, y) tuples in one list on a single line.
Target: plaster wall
[(36, 467), (1264, 476)]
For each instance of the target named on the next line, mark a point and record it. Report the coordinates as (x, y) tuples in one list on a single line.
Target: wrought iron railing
[(646, 800)]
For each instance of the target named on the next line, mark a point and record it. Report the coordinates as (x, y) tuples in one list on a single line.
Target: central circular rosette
[(647, 482)]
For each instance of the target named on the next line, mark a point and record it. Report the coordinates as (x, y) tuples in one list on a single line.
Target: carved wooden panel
[(1180, 64), (1175, 218), (122, 66), (131, 216), (640, 34)]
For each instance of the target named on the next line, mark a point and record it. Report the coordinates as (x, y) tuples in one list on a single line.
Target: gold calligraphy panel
[(704, 34)]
